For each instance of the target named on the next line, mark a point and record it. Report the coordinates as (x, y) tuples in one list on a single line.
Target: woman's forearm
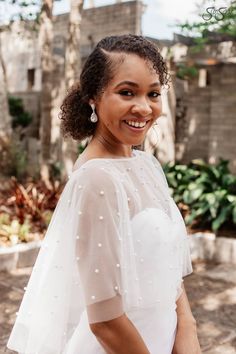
[(119, 336), (183, 309), (186, 339)]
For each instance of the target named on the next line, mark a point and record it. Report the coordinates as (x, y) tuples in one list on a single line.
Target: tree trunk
[(73, 62), (46, 38), (72, 71), (5, 119)]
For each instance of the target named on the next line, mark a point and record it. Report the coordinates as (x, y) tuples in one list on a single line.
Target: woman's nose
[(142, 108)]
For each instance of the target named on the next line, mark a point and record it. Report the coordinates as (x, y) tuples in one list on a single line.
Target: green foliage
[(208, 191), (220, 20), (186, 72), (13, 231), (18, 161), (22, 10), (19, 116)]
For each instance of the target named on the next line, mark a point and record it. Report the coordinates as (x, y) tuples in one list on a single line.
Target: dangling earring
[(93, 118)]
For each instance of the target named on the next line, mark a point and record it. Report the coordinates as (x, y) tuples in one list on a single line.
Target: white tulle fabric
[(116, 243)]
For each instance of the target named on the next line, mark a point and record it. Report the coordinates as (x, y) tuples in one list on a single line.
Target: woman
[(108, 278)]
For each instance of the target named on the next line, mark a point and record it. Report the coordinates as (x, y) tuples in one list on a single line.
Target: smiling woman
[(125, 72), (108, 278)]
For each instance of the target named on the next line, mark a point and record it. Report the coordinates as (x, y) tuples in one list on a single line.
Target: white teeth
[(136, 124)]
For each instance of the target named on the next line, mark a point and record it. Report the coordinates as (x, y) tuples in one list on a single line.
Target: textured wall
[(207, 127)]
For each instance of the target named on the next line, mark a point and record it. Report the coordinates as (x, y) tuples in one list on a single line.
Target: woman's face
[(130, 103)]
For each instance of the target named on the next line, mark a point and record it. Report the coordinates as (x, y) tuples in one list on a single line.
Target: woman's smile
[(136, 125)]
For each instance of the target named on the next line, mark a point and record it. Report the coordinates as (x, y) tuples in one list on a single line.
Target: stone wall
[(207, 127), (21, 48)]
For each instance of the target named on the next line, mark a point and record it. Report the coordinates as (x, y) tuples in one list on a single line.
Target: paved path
[(211, 290)]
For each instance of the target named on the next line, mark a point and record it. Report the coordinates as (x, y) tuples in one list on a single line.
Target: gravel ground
[(211, 290)]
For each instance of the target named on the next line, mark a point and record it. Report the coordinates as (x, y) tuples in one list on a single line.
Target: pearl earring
[(93, 118)]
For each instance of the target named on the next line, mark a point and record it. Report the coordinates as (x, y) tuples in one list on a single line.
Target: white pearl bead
[(101, 217), (93, 297), (80, 187), (99, 244), (77, 237), (96, 271), (141, 260), (79, 212), (25, 288), (128, 199), (116, 287), (101, 192), (118, 265), (118, 213), (77, 258)]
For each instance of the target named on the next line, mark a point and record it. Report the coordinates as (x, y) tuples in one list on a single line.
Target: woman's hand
[(186, 340)]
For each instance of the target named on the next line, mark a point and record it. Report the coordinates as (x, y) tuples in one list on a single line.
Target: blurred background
[(43, 45)]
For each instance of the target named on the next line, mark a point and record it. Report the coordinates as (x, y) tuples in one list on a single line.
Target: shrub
[(19, 116), (208, 191)]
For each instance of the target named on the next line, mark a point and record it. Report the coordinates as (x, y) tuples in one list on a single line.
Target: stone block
[(225, 251), (202, 246), (19, 256), (208, 247)]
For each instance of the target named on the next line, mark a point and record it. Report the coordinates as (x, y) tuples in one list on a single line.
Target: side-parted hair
[(96, 74)]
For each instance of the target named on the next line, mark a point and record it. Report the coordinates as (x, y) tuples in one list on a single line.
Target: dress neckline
[(113, 159)]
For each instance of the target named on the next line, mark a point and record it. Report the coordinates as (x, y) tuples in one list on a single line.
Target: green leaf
[(222, 217), (234, 214)]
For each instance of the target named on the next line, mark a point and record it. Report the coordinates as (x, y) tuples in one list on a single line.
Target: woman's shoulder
[(95, 173)]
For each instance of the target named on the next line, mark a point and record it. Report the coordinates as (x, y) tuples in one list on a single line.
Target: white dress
[(116, 243)]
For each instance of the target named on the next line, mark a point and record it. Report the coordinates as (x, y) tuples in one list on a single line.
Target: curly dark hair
[(97, 72)]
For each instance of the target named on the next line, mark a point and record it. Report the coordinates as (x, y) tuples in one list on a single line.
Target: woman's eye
[(126, 93), (154, 94)]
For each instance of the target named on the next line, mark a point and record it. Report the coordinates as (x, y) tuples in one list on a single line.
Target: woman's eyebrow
[(131, 83)]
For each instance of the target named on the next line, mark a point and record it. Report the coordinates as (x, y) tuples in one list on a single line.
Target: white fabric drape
[(116, 242)]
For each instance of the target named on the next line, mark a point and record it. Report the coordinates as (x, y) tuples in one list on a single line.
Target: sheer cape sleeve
[(85, 262), (184, 241)]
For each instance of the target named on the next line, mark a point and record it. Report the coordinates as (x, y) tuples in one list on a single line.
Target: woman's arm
[(119, 336), (186, 340)]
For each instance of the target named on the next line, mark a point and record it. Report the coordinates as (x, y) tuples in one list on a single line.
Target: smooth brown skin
[(119, 336), (138, 101), (186, 340)]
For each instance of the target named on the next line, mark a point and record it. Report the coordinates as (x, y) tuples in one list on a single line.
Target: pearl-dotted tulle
[(116, 243)]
